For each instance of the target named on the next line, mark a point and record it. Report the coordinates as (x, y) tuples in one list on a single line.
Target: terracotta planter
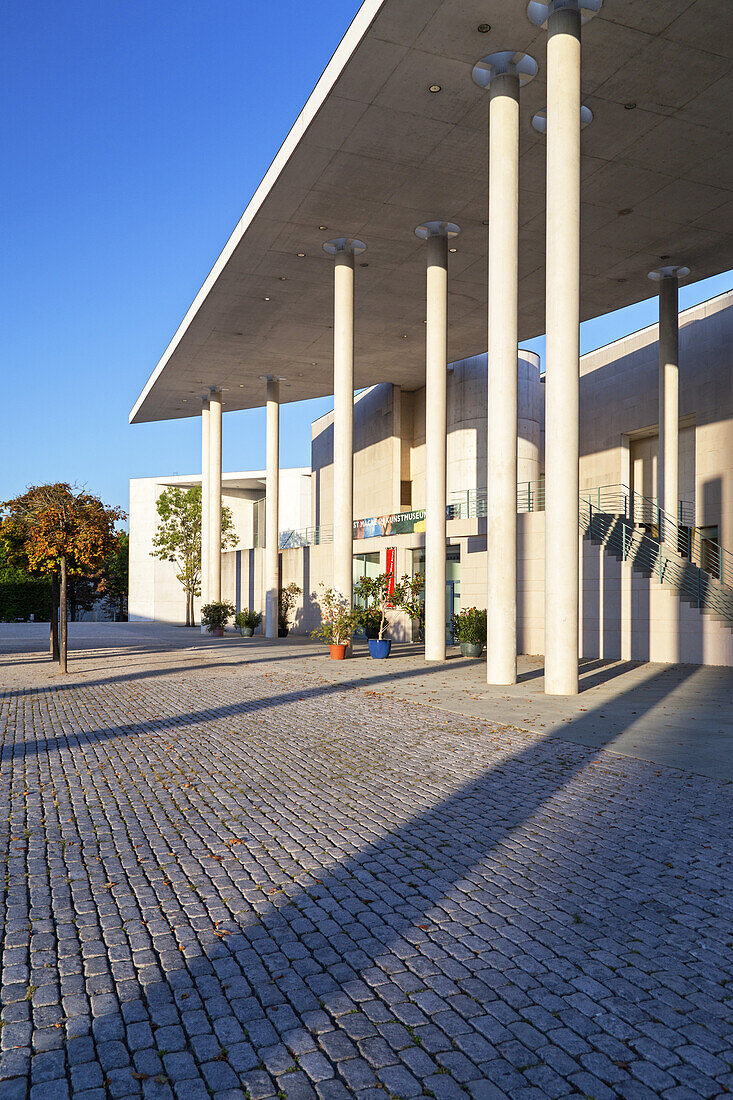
[(338, 652), (218, 631)]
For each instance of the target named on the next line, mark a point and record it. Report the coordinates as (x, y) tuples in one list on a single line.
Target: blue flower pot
[(380, 650)]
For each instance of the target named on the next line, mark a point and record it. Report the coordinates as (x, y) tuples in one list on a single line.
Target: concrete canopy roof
[(374, 153)]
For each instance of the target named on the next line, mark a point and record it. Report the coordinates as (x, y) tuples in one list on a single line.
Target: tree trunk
[(64, 617), (54, 631), (188, 608)]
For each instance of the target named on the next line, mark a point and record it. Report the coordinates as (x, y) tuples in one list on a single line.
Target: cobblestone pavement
[(229, 882)]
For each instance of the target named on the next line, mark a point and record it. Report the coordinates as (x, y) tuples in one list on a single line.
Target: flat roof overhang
[(374, 153)]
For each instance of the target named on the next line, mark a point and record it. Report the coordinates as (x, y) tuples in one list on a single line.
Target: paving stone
[(436, 892)]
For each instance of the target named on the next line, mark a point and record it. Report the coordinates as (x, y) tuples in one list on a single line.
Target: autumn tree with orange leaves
[(58, 531)]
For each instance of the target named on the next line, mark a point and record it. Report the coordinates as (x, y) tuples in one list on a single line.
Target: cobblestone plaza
[(227, 877)]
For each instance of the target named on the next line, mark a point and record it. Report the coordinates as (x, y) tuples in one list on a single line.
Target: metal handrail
[(661, 543), (632, 543), (680, 539)]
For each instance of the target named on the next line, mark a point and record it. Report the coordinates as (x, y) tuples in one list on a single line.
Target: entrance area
[(452, 583)]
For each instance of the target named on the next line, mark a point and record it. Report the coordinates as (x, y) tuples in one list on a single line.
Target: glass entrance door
[(452, 583)]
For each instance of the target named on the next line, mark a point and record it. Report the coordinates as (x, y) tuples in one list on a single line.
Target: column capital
[(671, 272), (348, 245), (540, 13), (437, 229), (504, 63), (539, 121)]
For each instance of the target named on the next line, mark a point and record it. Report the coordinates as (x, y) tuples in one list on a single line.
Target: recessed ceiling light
[(314, 364), (435, 88), (665, 257), (241, 385), (629, 106), (300, 255), (452, 249), (323, 228), (622, 280), (184, 400), (485, 221), (625, 212), (404, 335), (283, 278), (363, 265), (265, 299), (483, 28)]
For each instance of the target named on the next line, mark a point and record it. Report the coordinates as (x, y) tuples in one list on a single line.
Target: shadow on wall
[(484, 887), (307, 615)]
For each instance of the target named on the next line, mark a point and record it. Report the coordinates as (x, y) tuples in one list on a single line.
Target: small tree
[(58, 531), (379, 601), (337, 618), (178, 537)]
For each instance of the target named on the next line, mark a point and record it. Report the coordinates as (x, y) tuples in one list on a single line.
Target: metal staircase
[(635, 530)]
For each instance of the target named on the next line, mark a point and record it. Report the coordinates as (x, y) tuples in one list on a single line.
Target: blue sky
[(133, 136)]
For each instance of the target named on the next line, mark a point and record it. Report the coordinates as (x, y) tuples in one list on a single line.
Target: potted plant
[(381, 597), (373, 615), (337, 621), (216, 616), (369, 619), (247, 621), (286, 602), (469, 629)]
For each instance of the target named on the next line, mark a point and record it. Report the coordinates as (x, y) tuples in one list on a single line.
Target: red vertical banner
[(391, 565)]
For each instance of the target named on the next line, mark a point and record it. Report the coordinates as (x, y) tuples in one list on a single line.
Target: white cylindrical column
[(205, 447), (272, 497), (343, 250), (668, 458), (437, 235), (502, 73), (501, 523), (215, 496), (563, 353)]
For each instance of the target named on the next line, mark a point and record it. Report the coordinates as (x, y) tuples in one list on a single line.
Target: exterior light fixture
[(435, 88), (483, 28)]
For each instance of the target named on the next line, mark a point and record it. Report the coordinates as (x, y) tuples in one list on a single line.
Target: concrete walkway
[(677, 715)]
